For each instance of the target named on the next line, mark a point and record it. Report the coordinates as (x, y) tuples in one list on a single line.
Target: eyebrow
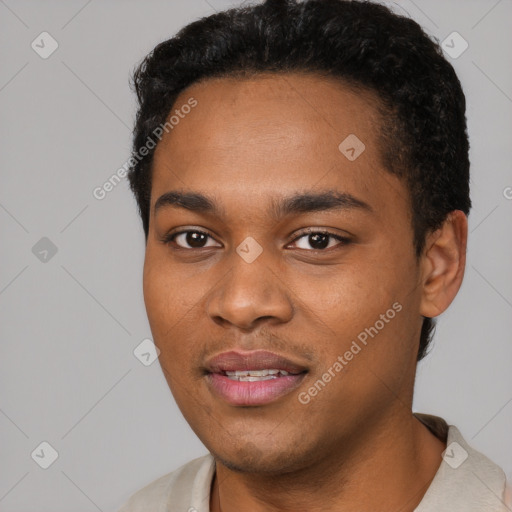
[(296, 204)]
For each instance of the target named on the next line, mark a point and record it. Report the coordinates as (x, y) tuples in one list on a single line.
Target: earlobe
[(443, 263)]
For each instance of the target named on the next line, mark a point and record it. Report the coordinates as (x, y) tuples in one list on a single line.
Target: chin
[(263, 459), (249, 465)]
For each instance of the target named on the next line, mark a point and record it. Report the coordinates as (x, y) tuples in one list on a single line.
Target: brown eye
[(319, 240), (191, 239)]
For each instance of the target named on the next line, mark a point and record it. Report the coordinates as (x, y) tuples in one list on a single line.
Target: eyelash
[(169, 238)]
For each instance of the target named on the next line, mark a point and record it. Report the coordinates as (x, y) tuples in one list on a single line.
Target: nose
[(250, 294)]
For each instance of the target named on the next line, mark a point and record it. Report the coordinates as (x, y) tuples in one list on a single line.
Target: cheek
[(359, 301), (172, 305), (156, 296), (350, 295), (165, 302), (166, 291)]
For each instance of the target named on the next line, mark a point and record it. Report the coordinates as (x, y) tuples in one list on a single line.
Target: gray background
[(69, 324)]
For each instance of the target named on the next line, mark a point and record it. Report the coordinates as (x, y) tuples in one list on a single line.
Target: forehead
[(272, 132)]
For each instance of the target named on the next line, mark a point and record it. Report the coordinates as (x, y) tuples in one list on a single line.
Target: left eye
[(319, 240)]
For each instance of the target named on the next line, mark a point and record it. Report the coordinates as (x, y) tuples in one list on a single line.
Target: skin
[(248, 143)]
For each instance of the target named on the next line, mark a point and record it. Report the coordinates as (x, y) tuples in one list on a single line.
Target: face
[(280, 278)]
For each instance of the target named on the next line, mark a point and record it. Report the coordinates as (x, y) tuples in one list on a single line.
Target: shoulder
[(479, 473), (187, 488), (467, 480)]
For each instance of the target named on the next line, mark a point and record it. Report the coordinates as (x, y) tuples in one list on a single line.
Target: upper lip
[(255, 360)]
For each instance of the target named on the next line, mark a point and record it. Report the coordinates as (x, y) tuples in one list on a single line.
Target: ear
[(443, 263)]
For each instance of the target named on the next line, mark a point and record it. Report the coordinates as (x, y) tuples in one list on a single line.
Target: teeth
[(253, 379), (251, 373), (255, 375)]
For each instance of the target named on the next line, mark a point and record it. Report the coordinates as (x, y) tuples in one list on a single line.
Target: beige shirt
[(466, 481)]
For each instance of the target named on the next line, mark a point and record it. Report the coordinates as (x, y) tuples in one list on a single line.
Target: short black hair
[(423, 137)]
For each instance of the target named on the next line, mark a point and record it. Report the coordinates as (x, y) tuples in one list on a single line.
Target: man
[(305, 212)]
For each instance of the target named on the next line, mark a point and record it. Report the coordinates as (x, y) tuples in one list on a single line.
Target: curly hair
[(423, 137)]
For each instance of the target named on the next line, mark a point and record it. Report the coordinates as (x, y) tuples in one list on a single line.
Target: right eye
[(190, 239)]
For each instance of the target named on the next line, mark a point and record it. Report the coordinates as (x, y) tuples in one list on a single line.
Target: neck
[(388, 468)]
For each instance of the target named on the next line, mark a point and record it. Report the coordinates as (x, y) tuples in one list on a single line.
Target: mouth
[(252, 378), (255, 375)]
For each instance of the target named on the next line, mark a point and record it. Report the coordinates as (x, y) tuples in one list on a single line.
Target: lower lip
[(253, 393)]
